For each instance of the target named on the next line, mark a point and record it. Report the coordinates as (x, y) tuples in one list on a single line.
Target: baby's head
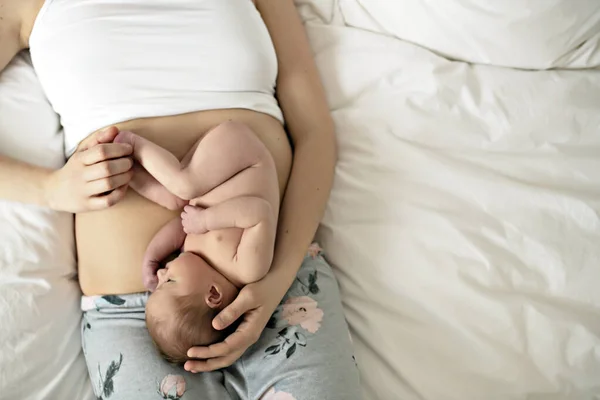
[(179, 314)]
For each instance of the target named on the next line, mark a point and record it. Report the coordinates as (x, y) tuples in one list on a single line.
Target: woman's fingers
[(108, 168), (102, 152), (231, 313), (107, 200), (234, 342), (210, 364), (104, 136), (102, 186), (219, 355), (225, 353)]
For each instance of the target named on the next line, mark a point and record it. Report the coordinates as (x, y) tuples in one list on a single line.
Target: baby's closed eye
[(170, 258)]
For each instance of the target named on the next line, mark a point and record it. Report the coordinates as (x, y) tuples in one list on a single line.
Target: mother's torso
[(172, 69)]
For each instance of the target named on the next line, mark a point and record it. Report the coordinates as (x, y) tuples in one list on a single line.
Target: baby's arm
[(252, 214), (168, 239)]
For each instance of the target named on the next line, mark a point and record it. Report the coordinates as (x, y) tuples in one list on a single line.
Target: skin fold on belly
[(111, 243)]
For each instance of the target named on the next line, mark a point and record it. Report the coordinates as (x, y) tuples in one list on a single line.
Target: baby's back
[(256, 180)]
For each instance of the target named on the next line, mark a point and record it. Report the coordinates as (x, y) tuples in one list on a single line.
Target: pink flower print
[(314, 250), (172, 387), (274, 395), (303, 311)]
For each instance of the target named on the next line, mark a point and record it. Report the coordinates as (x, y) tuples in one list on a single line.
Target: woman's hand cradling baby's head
[(255, 304)]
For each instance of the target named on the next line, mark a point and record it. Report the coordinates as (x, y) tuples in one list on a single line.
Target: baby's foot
[(125, 137), (193, 220)]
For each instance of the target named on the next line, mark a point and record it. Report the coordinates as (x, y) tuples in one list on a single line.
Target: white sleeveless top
[(102, 62)]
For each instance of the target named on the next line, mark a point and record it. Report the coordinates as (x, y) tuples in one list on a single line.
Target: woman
[(170, 71)]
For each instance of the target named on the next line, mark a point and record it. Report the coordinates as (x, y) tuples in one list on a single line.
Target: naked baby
[(225, 234)]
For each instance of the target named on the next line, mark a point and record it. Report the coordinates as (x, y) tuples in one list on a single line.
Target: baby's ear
[(214, 297)]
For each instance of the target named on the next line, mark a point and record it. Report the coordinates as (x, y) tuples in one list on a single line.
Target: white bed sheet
[(40, 346), (464, 219)]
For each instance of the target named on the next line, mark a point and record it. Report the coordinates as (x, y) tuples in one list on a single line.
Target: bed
[(464, 220)]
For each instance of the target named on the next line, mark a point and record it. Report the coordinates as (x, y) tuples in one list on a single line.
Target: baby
[(226, 233)]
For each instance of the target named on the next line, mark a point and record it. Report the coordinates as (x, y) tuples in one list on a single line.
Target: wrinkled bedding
[(464, 221)]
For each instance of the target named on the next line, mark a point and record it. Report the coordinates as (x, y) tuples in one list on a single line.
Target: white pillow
[(529, 34), (40, 346)]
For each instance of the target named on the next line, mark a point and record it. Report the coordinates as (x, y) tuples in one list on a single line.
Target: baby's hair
[(190, 324)]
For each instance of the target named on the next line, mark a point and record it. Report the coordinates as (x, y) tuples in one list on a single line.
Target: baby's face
[(190, 274), (184, 275), (180, 311)]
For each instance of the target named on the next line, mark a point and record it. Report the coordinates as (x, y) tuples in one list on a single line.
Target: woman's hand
[(95, 177), (256, 302)]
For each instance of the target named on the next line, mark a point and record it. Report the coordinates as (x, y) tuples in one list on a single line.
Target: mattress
[(464, 219)]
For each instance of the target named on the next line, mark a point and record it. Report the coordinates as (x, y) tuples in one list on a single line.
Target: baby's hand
[(149, 268), (193, 220)]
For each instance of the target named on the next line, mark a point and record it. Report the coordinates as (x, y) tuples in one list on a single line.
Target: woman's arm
[(94, 178), (311, 128), (23, 182), (11, 38)]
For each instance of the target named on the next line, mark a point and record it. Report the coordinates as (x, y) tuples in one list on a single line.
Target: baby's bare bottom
[(230, 169)]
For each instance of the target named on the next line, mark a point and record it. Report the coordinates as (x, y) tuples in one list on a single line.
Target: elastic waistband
[(134, 300)]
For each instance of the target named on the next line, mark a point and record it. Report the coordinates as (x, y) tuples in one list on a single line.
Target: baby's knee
[(237, 132), (182, 186)]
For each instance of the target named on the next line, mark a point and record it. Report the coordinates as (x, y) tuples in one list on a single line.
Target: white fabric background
[(463, 224)]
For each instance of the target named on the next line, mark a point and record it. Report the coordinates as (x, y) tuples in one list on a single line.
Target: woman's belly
[(111, 243)]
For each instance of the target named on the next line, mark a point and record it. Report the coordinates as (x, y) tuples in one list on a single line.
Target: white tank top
[(102, 62)]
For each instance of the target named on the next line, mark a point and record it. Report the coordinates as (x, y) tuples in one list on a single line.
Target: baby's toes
[(125, 137)]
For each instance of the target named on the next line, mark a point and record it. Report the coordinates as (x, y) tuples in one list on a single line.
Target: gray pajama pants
[(304, 353)]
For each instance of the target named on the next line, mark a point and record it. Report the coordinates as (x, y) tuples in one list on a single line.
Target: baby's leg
[(146, 185), (158, 162), (225, 151), (255, 216)]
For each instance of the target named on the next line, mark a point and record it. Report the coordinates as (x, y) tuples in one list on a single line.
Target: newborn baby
[(226, 233)]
